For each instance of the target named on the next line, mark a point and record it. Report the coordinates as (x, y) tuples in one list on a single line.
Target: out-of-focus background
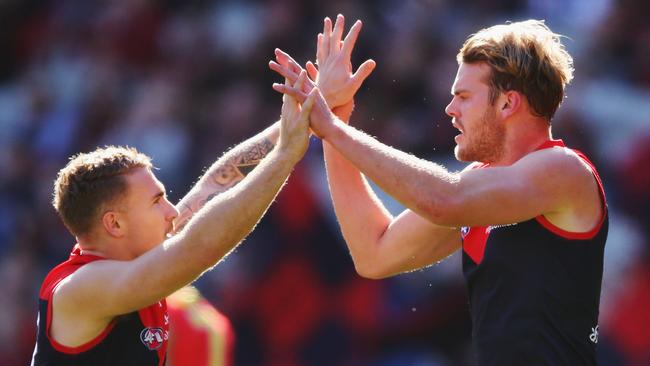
[(185, 80)]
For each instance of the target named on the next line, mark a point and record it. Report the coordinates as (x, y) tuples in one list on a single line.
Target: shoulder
[(556, 163), (556, 175), (83, 284), (569, 177), (55, 276)]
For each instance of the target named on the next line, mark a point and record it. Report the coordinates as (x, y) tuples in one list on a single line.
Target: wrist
[(334, 130), (289, 154), (344, 111)]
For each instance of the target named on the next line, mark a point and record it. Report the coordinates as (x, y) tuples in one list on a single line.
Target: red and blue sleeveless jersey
[(534, 289), (137, 338)]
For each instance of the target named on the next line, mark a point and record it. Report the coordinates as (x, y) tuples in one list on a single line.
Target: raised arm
[(380, 245), (101, 290), (554, 182)]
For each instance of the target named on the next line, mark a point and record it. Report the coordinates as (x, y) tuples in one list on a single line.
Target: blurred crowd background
[(185, 80)]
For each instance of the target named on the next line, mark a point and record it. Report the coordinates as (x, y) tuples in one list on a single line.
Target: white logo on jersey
[(594, 335), (152, 337)]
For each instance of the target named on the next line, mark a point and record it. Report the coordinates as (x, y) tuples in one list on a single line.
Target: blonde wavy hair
[(526, 57)]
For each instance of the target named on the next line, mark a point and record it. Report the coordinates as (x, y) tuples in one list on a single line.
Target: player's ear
[(114, 224), (509, 103)]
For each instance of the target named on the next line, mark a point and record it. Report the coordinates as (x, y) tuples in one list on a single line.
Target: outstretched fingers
[(327, 35), (337, 34), (284, 71), (362, 73), (320, 53), (312, 71), (285, 59), (351, 39), (298, 94), (285, 65), (290, 69)]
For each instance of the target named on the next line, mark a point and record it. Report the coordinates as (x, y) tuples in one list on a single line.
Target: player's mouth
[(457, 126)]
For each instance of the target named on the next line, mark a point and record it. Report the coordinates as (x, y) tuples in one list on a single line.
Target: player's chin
[(457, 153), (460, 154)]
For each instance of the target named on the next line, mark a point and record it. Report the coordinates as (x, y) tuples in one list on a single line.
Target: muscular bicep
[(86, 301), (103, 289), (410, 242), (546, 182)]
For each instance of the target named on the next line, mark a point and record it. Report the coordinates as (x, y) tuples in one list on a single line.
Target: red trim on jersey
[(571, 234), (474, 242), (63, 270), (150, 318), (51, 282), (550, 143), (78, 349), (475, 238)]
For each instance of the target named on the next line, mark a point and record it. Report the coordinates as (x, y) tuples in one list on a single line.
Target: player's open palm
[(334, 75)]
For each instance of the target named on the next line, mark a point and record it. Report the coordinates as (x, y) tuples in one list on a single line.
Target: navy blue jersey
[(138, 338), (534, 290)]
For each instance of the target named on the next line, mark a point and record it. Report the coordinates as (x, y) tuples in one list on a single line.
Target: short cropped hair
[(90, 181), (526, 57)]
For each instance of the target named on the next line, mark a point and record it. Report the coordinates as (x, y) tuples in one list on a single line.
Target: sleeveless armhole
[(580, 235), (51, 283)]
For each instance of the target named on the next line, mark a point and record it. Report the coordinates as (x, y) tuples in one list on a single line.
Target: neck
[(102, 247), (523, 138)]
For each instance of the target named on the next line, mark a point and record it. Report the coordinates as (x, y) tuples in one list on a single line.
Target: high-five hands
[(314, 107), (334, 75), (294, 121)]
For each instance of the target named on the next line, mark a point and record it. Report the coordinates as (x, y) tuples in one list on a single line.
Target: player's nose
[(451, 109), (172, 212)]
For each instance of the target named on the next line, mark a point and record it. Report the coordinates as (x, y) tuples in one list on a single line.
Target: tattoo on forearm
[(250, 158), (242, 164), (224, 177)]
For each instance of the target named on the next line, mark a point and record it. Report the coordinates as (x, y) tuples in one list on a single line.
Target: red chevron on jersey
[(474, 239)]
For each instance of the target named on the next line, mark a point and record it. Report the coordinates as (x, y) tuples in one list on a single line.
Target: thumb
[(363, 72), (312, 70)]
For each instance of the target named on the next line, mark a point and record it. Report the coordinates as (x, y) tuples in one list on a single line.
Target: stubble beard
[(486, 143)]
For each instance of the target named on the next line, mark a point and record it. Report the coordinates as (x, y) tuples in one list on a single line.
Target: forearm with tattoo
[(225, 173)]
